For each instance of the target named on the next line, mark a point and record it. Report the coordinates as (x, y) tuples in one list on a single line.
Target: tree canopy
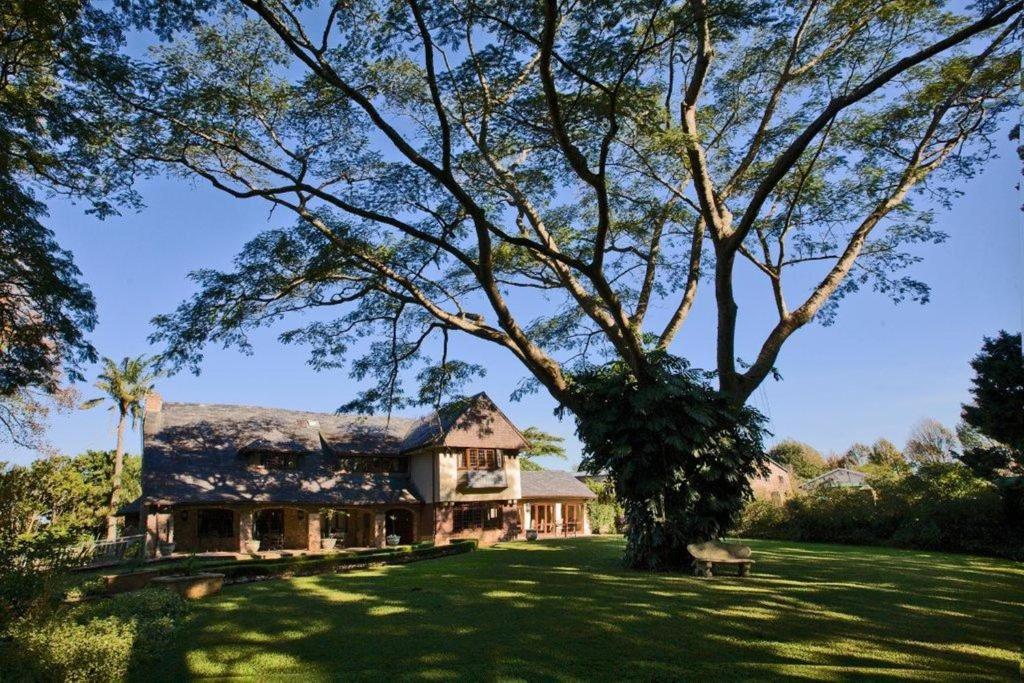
[(451, 167), (993, 434), (55, 139), (805, 460), (560, 180)]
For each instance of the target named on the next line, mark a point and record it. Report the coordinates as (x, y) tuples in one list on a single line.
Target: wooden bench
[(710, 553)]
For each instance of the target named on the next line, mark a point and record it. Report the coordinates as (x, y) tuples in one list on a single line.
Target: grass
[(566, 610)]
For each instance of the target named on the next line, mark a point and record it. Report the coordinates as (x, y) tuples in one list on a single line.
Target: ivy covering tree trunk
[(678, 452)]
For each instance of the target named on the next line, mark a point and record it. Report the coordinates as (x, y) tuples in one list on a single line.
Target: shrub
[(64, 650), (941, 506), (102, 640)]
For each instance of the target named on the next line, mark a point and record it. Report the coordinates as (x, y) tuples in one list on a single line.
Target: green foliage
[(64, 650), (805, 460), (103, 640), (885, 455), (940, 506), (64, 495), (604, 511), (997, 411), (32, 576), (541, 444), (679, 455), (54, 140)]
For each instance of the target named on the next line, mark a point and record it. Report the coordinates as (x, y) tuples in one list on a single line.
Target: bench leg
[(705, 569), (744, 569)]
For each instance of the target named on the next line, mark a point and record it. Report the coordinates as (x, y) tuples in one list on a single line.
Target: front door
[(543, 518)]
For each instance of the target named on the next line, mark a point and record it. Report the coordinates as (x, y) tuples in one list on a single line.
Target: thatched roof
[(194, 452)]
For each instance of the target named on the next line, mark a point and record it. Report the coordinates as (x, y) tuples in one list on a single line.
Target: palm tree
[(126, 385)]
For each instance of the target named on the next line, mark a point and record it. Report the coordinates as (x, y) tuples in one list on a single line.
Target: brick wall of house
[(775, 485), (444, 528)]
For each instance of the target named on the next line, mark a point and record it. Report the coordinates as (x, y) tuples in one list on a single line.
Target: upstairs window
[(373, 465), (481, 459)]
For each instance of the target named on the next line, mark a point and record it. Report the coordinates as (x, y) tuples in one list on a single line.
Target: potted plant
[(328, 543), (166, 549), (393, 539), (531, 534), (252, 546), (191, 583)]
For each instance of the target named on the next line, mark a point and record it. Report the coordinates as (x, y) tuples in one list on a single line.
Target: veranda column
[(586, 519), (313, 529), (558, 517), (379, 530), (245, 525), (152, 530)]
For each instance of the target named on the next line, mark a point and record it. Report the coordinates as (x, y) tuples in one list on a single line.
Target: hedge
[(939, 507), (316, 564)]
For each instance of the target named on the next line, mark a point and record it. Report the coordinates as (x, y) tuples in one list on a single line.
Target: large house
[(217, 477)]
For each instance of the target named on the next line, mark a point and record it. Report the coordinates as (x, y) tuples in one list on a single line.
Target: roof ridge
[(289, 410)]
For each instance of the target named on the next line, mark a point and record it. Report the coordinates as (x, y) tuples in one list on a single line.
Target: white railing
[(101, 552)]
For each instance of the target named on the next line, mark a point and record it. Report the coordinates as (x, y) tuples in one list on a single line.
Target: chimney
[(154, 402)]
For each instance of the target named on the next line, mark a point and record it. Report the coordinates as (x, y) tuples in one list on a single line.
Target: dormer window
[(271, 460), (481, 459)]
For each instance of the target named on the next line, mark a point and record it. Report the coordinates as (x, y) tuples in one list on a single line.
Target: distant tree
[(97, 471), (856, 455), (805, 460), (931, 442), (541, 444), (885, 455), (994, 422), (125, 385)]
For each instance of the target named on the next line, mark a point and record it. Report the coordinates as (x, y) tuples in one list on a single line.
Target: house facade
[(773, 483), (218, 477)]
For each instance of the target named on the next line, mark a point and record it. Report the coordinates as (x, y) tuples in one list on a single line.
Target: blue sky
[(874, 373)]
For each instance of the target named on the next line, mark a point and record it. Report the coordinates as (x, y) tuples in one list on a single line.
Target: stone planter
[(328, 543), (252, 547), (166, 549), (123, 583), (192, 587), (531, 534), (393, 539)]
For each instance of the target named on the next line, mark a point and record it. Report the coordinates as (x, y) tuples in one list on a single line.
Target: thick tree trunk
[(115, 481)]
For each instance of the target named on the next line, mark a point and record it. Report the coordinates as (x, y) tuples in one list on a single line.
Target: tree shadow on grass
[(566, 609)]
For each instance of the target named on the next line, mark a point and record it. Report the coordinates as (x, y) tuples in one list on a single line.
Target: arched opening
[(399, 522)]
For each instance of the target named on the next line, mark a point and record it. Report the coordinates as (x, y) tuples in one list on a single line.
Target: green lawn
[(567, 610)]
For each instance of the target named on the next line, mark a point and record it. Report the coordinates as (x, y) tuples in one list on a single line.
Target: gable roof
[(839, 476), (553, 484), (191, 451)]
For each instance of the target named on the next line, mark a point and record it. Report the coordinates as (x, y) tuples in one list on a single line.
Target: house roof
[(553, 484), (191, 451), (839, 476)]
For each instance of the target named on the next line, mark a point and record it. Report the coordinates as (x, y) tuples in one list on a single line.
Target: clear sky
[(874, 373)]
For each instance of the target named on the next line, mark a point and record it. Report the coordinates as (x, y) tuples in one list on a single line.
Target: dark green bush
[(101, 640), (941, 506), (316, 564)]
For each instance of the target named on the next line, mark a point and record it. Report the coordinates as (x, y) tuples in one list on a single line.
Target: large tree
[(560, 180), (54, 140)]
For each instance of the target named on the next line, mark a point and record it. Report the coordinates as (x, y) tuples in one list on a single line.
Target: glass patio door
[(544, 518)]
